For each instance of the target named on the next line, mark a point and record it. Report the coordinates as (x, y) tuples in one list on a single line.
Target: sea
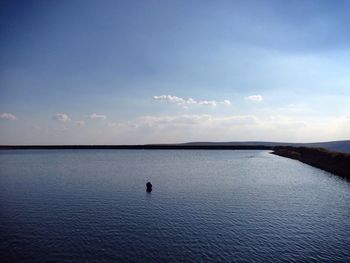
[(205, 206)]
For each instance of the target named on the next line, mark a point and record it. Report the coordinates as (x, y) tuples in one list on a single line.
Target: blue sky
[(120, 72)]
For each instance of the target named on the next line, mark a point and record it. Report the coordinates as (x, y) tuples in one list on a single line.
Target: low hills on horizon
[(337, 146)]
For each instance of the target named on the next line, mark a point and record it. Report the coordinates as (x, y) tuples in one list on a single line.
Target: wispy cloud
[(174, 99), (113, 124), (212, 103), (8, 116), (80, 123), (190, 101), (207, 120), (61, 117), (256, 98), (294, 108), (282, 121), (198, 120), (226, 102), (97, 116)]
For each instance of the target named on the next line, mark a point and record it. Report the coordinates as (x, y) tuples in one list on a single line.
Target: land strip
[(136, 147), (334, 162)]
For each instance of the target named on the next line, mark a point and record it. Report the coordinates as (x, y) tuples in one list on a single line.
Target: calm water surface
[(206, 206)]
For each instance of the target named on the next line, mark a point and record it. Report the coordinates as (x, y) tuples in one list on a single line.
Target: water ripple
[(206, 206)]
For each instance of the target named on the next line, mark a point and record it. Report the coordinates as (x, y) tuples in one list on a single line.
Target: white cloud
[(81, 123), (226, 102), (283, 122), (97, 116), (190, 101), (154, 121), (198, 120), (201, 127), (189, 127), (212, 103), (173, 99), (295, 109), (61, 117), (8, 116), (113, 124), (256, 98), (184, 127)]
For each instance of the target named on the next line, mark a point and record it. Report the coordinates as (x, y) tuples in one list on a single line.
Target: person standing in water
[(149, 187)]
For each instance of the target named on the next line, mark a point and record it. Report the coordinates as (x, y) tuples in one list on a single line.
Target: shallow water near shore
[(92, 205)]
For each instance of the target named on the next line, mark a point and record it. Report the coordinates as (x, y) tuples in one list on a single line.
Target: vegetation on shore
[(333, 162)]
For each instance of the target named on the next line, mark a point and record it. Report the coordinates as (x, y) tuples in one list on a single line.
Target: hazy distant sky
[(121, 72)]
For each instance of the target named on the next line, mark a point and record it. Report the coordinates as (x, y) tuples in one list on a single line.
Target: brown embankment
[(333, 162)]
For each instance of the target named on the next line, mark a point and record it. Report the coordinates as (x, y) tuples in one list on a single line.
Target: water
[(206, 206)]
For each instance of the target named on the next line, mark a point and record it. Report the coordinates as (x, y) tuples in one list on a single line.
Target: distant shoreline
[(337, 146), (330, 161), (136, 147)]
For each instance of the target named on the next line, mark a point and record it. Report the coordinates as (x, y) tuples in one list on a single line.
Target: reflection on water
[(205, 206)]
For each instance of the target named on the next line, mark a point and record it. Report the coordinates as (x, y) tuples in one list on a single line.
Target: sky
[(135, 72)]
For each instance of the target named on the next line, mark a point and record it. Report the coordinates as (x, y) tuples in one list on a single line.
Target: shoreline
[(336, 163)]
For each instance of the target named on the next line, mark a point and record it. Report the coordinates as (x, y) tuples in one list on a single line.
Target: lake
[(206, 206)]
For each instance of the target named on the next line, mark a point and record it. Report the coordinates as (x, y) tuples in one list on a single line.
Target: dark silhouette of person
[(149, 187)]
